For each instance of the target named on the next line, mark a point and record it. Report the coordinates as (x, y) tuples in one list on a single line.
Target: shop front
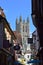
[(5, 57)]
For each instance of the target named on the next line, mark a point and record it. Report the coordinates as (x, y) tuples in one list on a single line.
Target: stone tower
[(22, 26)]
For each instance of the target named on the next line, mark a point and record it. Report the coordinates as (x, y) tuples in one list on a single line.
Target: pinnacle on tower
[(27, 19), (16, 21), (23, 20), (20, 18)]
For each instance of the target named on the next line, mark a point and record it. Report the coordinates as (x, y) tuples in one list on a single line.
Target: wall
[(1, 35)]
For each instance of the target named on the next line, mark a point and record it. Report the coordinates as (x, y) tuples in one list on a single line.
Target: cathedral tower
[(22, 26)]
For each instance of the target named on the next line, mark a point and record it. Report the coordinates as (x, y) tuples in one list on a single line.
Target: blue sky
[(14, 8)]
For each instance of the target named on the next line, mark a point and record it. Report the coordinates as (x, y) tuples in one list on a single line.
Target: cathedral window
[(23, 28), (26, 28)]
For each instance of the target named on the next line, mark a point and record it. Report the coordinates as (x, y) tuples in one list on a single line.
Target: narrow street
[(21, 32)]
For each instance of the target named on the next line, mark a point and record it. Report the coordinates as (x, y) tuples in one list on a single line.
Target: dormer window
[(0, 12)]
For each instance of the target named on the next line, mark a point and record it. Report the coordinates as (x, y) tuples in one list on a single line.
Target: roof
[(17, 34), (18, 37), (5, 21)]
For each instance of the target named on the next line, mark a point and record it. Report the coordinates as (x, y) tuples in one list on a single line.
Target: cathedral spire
[(20, 18), (16, 20)]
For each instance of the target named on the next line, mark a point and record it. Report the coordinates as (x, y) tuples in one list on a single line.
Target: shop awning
[(34, 61)]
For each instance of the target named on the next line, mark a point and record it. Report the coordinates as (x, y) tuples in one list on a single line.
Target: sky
[(14, 9)]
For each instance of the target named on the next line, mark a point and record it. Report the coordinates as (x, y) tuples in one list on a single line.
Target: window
[(23, 28), (0, 12), (28, 56), (23, 39), (26, 28)]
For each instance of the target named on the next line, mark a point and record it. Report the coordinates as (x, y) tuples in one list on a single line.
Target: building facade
[(35, 46), (6, 40), (22, 26), (37, 17), (36, 40)]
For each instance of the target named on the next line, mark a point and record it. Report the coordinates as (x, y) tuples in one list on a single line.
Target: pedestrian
[(15, 62)]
